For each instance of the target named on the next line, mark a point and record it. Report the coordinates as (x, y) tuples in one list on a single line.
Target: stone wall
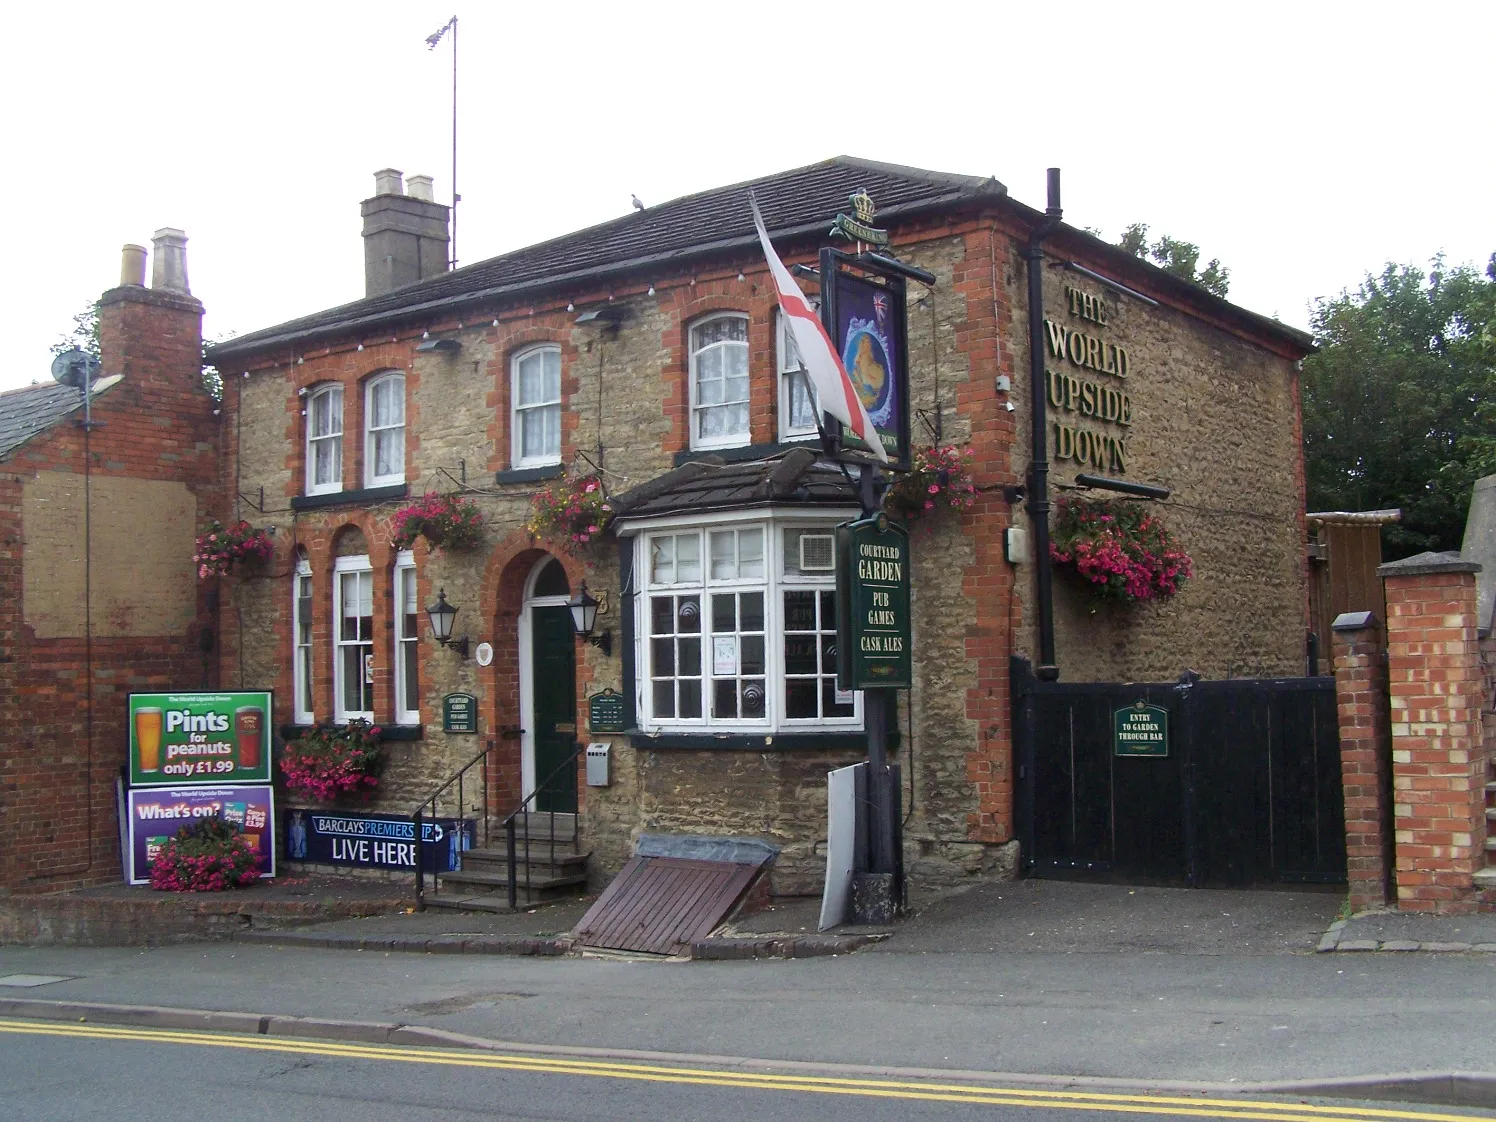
[(1214, 417)]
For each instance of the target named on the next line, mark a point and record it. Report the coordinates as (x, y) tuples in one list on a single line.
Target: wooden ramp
[(661, 905)]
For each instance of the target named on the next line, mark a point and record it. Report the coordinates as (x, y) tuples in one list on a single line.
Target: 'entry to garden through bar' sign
[(1140, 730), (177, 739), (872, 606)]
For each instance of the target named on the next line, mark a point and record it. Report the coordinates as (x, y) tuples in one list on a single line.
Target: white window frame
[(371, 460), (342, 567), (788, 366), (517, 458), (773, 584), (405, 568), (332, 391), (303, 665), (730, 440)]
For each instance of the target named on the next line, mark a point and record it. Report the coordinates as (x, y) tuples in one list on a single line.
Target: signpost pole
[(875, 708)]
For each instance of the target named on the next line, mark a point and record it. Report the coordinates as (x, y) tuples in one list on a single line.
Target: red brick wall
[(1361, 700), (63, 699), (1438, 765)]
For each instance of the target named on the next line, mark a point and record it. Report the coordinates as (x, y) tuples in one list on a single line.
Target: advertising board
[(156, 814), (190, 737)]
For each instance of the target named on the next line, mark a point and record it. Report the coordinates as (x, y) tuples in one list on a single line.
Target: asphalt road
[(70, 1071), (1227, 1018)]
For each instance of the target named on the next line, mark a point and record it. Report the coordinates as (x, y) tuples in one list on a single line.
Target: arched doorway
[(548, 688)]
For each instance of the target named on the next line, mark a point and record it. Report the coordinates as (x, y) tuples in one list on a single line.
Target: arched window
[(384, 430), (324, 440), (719, 381), (535, 412)]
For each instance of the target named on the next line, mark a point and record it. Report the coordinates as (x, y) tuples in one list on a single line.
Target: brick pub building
[(648, 349)]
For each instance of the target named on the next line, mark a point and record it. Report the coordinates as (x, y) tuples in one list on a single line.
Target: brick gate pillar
[(1360, 661), (1438, 767)]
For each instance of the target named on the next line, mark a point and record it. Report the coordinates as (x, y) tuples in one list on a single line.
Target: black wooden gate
[(1248, 794)]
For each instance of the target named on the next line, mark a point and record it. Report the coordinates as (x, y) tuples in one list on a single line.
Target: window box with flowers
[(447, 522), (1119, 549), (326, 764), (938, 477), (571, 515), (220, 549)]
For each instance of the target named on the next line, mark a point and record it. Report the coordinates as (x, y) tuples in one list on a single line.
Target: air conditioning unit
[(817, 553)]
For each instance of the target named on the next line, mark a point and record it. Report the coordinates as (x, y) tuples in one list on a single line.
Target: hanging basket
[(447, 522), (572, 515), (219, 550), (1119, 550)]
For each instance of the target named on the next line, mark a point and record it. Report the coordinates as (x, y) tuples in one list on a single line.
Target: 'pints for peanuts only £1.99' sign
[(180, 739)]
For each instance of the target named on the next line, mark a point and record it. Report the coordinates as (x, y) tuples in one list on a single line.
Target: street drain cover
[(26, 981)]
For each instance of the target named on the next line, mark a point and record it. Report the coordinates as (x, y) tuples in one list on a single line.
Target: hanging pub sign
[(858, 226), (864, 314), (459, 713), (872, 605), (183, 738), (1140, 729)]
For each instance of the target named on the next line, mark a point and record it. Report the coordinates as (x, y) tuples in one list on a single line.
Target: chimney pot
[(419, 187), (169, 270), (132, 266), (387, 182)]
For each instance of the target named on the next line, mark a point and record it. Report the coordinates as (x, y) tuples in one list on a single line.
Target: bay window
[(737, 628)]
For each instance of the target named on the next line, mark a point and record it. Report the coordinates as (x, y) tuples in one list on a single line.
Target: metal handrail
[(523, 810), (417, 815)]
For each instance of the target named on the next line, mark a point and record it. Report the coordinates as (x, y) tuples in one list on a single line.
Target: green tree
[(84, 335), (1400, 400), (1178, 257)]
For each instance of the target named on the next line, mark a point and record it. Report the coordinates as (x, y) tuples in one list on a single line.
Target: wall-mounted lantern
[(442, 614), (584, 618)]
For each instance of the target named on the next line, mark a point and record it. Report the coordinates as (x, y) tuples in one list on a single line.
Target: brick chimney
[(154, 336), (405, 235)]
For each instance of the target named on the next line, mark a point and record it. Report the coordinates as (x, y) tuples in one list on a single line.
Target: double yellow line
[(976, 1094)]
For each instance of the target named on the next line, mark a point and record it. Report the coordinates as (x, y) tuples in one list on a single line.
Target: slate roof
[(794, 202), (33, 409), (795, 477)]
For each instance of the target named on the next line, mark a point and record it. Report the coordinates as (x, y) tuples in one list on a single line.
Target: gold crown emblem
[(862, 206)]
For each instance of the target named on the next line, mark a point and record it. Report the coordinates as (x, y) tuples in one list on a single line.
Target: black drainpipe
[(1038, 481)]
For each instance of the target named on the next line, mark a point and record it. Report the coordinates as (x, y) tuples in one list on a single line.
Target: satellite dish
[(76, 367)]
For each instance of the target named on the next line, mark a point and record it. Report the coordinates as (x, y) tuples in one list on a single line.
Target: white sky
[(1304, 144)]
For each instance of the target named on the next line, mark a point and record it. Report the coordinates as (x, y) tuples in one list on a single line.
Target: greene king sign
[(872, 606)]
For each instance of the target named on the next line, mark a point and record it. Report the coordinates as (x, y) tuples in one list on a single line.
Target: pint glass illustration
[(249, 731), (148, 738)]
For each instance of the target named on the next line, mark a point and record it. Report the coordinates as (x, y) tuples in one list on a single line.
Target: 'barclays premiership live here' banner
[(157, 814), (192, 737), (375, 841)]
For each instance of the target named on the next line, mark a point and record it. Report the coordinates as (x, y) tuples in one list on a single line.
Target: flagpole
[(431, 41), (455, 196)]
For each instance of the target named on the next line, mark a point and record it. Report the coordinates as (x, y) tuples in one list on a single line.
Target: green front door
[(553, 646)]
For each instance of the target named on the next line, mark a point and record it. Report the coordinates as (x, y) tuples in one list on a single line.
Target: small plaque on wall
[(605, 711), (459, 713)]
